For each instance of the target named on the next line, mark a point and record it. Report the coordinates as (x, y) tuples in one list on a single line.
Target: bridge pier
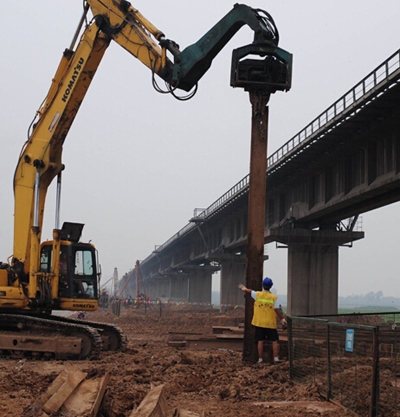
[(200, 283), (313, 268), (179, 288), (159, 287), (232, 274), (313, 279)]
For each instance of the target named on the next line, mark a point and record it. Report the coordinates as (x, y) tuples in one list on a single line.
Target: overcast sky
[(138, 163)]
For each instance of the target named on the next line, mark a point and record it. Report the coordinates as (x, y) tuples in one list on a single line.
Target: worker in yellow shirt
[(264, 318)]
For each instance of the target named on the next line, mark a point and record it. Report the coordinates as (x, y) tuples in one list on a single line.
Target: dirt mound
[(207, 382)]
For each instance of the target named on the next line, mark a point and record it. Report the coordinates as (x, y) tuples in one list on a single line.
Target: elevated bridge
[(344, 163)]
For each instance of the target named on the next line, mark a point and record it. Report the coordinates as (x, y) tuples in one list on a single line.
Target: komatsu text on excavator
[(63, 273)]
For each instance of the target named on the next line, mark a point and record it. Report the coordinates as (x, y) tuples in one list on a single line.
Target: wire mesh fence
[(358, 365), (350, 366), (388, 389), (307, 349)]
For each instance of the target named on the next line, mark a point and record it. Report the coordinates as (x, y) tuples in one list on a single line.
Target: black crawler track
[(21, 325), (119, 341)]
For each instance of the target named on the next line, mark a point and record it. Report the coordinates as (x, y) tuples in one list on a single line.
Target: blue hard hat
[(267, 283)]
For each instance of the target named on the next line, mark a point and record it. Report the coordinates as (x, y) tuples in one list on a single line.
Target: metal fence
[(350, 366), (307, 349), (355, 365)]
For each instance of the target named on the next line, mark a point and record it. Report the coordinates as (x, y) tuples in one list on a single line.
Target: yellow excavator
[(64, 273)]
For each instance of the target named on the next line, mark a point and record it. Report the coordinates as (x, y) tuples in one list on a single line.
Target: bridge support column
[(159, 287), (150, 286), (313, 268), (313, 279), (179, 288), (163, 289), (200, 286), (232, 274)]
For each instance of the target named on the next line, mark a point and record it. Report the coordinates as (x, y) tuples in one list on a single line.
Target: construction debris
[(70, 394)]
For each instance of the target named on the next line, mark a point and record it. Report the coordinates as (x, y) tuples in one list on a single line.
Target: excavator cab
[(78, 270)]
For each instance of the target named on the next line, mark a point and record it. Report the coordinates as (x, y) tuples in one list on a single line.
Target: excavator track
[(31, 337), (114, 339)]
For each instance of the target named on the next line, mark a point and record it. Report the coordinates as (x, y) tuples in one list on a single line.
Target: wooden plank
[(80, 402), (318, 406), (86, 398), (226, 329), (153, 404), (37, 405), (55, 386), (70, 394), (228, 336), (182, 334), (102, 389), (186, 413), (235, 344), (58, 398)]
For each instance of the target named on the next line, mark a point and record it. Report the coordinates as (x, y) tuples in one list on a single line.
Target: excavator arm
[(126, 26), (113, 20)]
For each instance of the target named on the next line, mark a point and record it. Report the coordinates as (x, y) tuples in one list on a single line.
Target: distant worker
[(82, 315), (264, 318)]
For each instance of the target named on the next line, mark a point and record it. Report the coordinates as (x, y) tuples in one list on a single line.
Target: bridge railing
[(353, 98), (347, 101), (236, 190)]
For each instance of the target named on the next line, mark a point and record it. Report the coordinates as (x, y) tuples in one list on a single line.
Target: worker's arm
[(244, 289), (280, 316)]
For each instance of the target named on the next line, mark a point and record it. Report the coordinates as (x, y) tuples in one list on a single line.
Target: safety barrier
[(355, 365)]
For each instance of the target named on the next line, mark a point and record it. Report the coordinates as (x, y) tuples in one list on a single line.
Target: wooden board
[(55, 402), (71, 394), (154, 404)]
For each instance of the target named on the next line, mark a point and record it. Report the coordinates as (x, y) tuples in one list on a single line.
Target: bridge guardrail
[(348, 101)]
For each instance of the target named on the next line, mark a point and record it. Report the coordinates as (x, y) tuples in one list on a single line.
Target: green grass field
[(368, 309)]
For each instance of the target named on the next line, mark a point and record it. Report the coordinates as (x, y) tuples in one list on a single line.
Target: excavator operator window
[(84, 274), (83, 263)]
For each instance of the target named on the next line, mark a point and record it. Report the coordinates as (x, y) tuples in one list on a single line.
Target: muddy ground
[(208, 382)]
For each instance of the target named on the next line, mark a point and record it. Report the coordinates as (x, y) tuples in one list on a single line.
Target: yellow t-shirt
[(264, 310)]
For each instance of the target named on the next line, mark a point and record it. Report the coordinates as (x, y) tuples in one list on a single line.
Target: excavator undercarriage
[(56, 337)]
